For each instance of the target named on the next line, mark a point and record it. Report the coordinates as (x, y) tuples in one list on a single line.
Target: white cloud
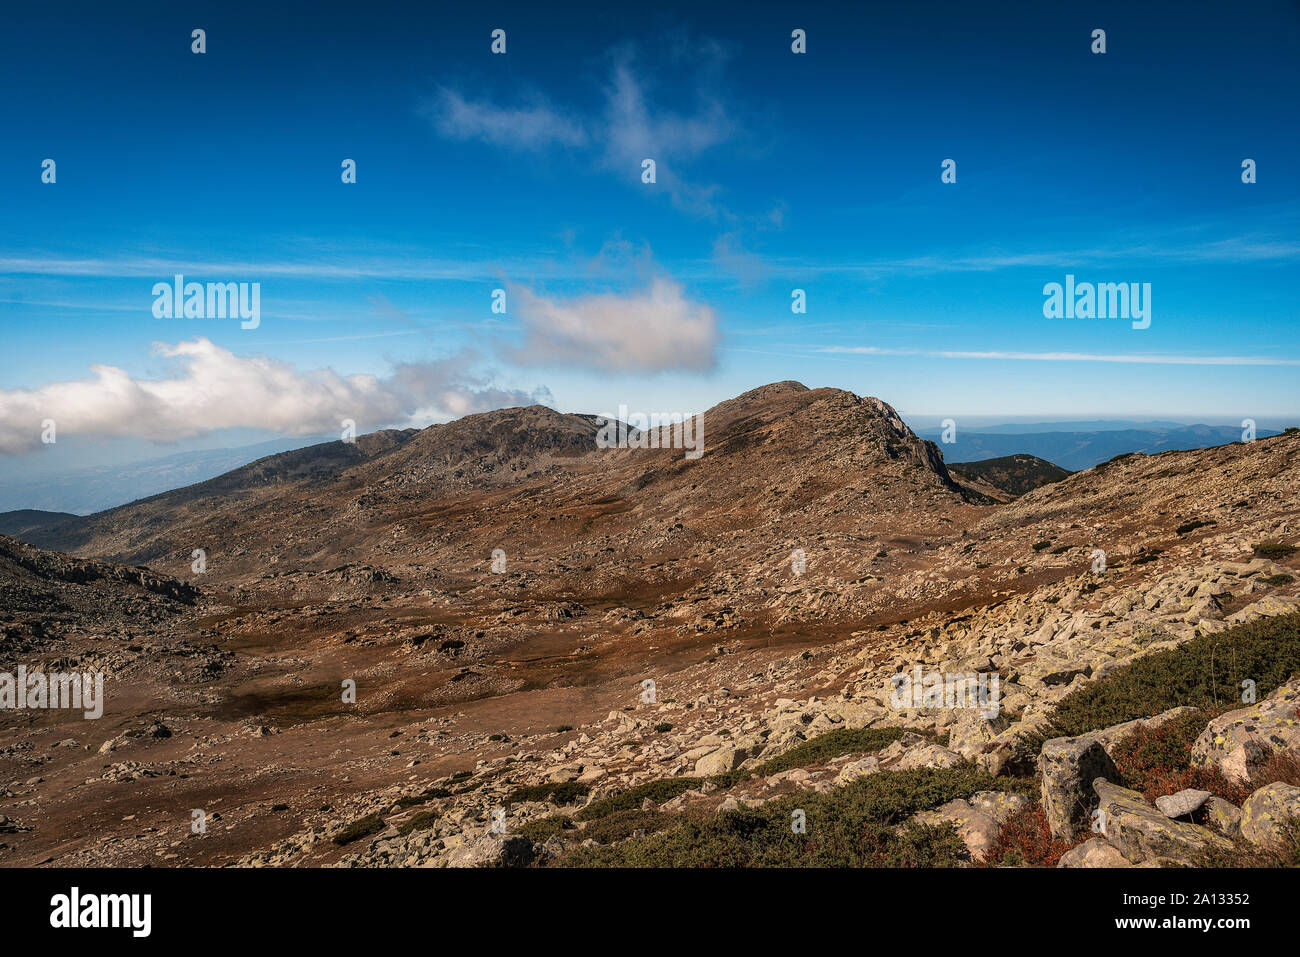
[(527, 128), (627, 132), (632, 133), (653, 330), (212, 388)]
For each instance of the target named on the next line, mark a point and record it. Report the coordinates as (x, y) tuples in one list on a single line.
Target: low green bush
[(543, 829), (421, 821), (370, 824), (1273, 550), (849, 826), (621, 825), (659, 791), (564, 792), (830, 745), (1205, 673)]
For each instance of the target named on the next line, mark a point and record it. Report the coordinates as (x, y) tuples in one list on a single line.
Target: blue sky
[(522, 171)]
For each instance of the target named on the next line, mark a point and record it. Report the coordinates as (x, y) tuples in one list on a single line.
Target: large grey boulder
[(1067, 768), (1266, 812), (1240, 742), (1142, 833), (509, 850), (725, 759), (1096, 852)]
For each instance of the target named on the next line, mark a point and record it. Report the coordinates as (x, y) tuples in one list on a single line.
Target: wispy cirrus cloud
[(626, 131), (211, 388), (326, 267), (1136, 359), (533, 127), (1231, 250)]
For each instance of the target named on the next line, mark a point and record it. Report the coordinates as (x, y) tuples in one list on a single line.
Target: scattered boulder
[(510, 850), (928, 756), (1239, 742), (1266, 811), (1223, 816), (972, 732), (1068, 766), (978, 829), (1095, 852), (1185, 802), (858, 769), (721, 761), (1009, 752), (1142, 832), (999, 805)]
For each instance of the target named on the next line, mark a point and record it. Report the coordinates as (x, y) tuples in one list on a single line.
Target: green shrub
[(621, 825), (663, 727), (1276, 580), (1039, 546), (1205, 672), (1273, 550), (830, 745), (659, 791), (542, 829), (850, 826), (370, 824), (562, 792), (420, 821), (1191, 527), (423, 798)]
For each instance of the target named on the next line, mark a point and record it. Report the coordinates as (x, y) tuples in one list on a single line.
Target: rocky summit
[(495, 643)]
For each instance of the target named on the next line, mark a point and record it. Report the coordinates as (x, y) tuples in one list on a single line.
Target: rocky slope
[(768, 592)]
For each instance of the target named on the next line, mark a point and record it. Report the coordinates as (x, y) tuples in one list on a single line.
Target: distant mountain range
[(83, 491), (1075, 450), (1071, 445)]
